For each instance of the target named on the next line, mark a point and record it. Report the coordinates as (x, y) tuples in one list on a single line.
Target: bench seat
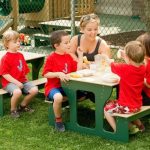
[(127, 116), (39, 82), (41, 39), (44, 39), (123, 120)]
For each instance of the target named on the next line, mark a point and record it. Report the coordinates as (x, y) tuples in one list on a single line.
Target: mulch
[(121, 39)]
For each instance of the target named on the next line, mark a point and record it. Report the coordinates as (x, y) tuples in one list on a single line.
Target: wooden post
[(15, 13)]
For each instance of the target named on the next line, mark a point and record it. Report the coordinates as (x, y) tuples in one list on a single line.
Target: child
[(57, 66), (145, 40), (13, 69), (131, 84)]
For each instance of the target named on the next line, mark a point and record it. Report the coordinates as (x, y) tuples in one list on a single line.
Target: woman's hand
[(79, 52)]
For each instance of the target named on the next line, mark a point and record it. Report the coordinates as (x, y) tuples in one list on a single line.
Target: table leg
[(102, 93), (36, 66)]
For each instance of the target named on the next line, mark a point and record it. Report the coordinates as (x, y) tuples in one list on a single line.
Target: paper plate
[(86, 72), (110, 78)]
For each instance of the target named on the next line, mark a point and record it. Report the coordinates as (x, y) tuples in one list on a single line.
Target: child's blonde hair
[(88, 18), (9, 35), (135, 51)]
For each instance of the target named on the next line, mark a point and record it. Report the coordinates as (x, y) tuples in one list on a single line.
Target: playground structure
[(35, 11)]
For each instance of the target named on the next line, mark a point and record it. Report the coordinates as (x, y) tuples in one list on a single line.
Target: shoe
[(59, 126), (25, 109), (15, 114), (141, 128), (133, 129)]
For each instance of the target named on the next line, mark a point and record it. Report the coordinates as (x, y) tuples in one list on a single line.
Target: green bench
[(39, 82), (122, 121), (44, 39), (41, 39)]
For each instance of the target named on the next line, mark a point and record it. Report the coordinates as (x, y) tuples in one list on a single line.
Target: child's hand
[(20, 85), (120, 54), (63, 77), (79, 52)]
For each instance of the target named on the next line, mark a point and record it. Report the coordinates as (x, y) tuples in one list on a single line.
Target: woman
[(89, 42)]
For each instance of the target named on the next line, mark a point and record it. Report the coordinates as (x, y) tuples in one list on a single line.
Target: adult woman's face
[(91, 30)]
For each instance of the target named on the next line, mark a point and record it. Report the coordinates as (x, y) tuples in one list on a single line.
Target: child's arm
[(80, 58), (146, 84), (9, 78), (121, 54), (62, 76)]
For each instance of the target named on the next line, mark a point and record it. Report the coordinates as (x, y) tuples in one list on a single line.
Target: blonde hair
[(9, 35), (88, 18), (135, 51)]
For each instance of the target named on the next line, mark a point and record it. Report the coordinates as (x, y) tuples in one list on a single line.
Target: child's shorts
[(26, 87), (55, 91), (112, 106)]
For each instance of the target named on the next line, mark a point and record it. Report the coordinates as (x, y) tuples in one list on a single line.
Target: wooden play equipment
[(51, 10), (58, 9), (85, 7), (35, 11), (10, 9)]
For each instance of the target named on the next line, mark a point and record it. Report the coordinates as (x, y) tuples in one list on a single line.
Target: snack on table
[(75, 75), (85, 60)]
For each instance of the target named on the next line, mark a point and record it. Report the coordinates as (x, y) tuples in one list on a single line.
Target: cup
[(93, 66)]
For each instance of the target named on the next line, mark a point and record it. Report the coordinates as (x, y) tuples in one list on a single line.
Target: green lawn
[(32, 131)]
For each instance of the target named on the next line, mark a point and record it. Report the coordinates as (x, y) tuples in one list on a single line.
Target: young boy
[(145, 40), (13, 69), (57, 66), (131, 84)]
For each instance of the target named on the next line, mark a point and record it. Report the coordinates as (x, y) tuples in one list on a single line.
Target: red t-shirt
[(131, 84), (15, 65), (147, 76), (57, 63)]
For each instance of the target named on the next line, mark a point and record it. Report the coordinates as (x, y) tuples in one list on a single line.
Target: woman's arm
[(73, 47), (80, 59), (104, 48)]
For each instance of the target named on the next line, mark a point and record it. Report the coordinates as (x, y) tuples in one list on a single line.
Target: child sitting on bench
[(57, 66), (13, 69), (145, 40), (131, 83)]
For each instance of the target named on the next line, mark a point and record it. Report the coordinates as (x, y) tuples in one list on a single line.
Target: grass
[(32, 132)]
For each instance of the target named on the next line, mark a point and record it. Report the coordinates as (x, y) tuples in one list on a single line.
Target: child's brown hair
[(135, 50), (145, 40), (9, 35), (56, 37)]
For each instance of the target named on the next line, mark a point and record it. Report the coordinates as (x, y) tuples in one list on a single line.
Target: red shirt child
[(58, 63), (15, 65), (56, 68), (131, 84), (132, 75)]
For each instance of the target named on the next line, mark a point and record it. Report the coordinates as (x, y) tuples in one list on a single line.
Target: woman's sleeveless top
[(90, 56)]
